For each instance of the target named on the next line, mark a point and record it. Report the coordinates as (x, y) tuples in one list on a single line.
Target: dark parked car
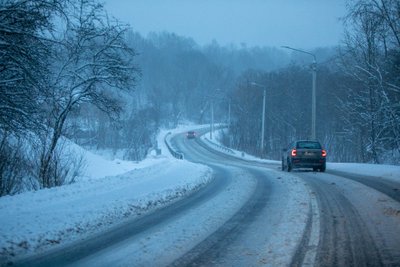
[(304, 154), (191, 134)]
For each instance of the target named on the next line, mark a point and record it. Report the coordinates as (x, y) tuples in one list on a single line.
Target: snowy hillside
[(108, 193)]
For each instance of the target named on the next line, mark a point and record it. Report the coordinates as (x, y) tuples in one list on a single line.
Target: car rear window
[(309, 145)]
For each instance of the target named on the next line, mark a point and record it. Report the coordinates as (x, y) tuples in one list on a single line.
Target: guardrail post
[(174, 153)]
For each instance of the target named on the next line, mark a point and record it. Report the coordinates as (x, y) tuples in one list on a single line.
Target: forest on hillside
[(69, 71)]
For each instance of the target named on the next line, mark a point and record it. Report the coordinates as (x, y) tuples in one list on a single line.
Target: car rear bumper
[(308, 163)]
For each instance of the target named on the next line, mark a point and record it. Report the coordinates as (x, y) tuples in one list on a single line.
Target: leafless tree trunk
[(374, 35), (90, 60), (23, 61), (13, 164)]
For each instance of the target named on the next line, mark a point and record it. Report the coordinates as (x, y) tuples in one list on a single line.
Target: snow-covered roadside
[(390, 172), (34, 221), (215, 144)]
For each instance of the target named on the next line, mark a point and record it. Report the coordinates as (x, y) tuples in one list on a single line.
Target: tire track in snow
[(307, 250), (276, 227), (210, 251), (344, 238)]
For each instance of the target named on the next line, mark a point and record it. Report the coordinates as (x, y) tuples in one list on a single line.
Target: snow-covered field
[(111, 191)]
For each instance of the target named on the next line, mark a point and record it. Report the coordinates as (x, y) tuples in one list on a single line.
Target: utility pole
[(212, 119), (262, 115), (314, 99), (314, 89), (229, 114), (263, 122)]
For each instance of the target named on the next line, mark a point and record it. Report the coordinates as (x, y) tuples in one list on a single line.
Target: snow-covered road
[(219, 210), (266, 229), (353, 218), (358, 223), (253, 213)]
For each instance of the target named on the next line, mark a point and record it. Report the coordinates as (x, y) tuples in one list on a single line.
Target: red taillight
[(294, 152), (323, 152)]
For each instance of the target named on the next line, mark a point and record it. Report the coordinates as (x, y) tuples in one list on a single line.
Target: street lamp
[(212, 119), (262, 115), (229, 114), (314, 81), (212, 98)]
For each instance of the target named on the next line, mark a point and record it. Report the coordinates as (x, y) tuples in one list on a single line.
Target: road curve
[(353, 220), (247, 216), (252, 214), (268, 227)]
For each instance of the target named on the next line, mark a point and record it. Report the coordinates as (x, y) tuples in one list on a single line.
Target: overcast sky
[(298, 23)]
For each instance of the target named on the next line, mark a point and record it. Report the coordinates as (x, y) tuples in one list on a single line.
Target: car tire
[(283, 165), (289, 167), (322, 169)]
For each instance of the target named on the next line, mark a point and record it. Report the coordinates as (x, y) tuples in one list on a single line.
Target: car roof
[(294, 143), (307, 143)]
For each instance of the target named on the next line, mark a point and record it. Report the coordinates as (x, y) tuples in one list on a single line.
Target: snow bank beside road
[(390, 172), (216, 145), (34, 221)]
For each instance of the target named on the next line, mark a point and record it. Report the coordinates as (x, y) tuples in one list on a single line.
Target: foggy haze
[(300, 23), (199, 133)]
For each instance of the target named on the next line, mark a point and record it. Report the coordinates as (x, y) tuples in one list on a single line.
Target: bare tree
[(13, 164), (90, 59), (23, 60), (64, 166), (371, 45), (24, 53)]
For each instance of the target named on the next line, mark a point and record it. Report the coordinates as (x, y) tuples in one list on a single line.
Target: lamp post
[(314, 85), (212, 119), (212, 98), (262, 115), (229, 114)]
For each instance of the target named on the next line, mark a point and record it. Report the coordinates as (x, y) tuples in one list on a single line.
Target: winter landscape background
[(87, 103)]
